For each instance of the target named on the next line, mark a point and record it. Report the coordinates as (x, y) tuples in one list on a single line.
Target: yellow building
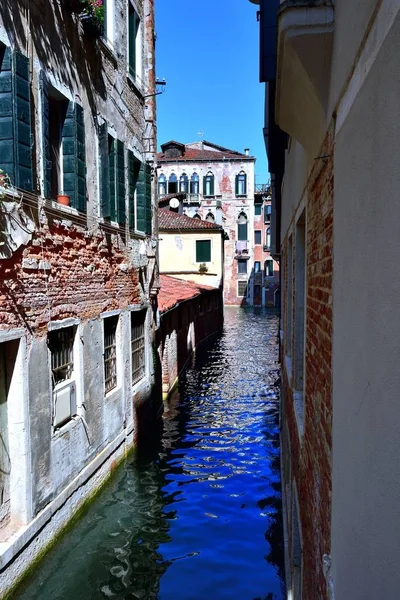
[(190, 248)]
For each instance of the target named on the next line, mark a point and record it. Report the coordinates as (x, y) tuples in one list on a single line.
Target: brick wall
[(310, 455)]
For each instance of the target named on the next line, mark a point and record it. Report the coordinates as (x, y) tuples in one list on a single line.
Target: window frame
[(141, 368), (113, 359), (209, 240), (134, 71), (258, 206), (209, 184), (239, 285), (241, 178), (256, 232), (242, 262)]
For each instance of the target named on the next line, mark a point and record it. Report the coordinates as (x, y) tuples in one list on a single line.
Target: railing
[(262, 188), (193, 199)]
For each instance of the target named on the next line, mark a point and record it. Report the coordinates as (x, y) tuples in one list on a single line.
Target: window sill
[(241, 195), (136, 87), (113, 394), (108, 49)]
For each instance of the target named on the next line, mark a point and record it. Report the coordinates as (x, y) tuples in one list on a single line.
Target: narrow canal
[(201, 517)]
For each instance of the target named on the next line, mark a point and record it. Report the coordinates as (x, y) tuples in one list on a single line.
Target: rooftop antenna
[(200, 133)]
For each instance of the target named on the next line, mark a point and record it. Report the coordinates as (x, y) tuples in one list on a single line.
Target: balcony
[(267, 247), (193, 199), (242, 250), (305, 38)]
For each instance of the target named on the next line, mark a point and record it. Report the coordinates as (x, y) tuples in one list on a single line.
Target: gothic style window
[(183, 183), (210, 218), (172, 184), (194, 184), (162, 185), (208, 184), (242, 228), (241, 184)]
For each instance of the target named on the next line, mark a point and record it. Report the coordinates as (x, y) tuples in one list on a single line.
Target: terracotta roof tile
[(197, 154), (174, 290), (170, 220)]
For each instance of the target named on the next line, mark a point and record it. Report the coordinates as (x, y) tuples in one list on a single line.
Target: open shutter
[(133, 25), (121, 206), (141, 199), (237, 185), (46, 157), (22, 122), (6, 114), (148, 200), (132, 179), (204, 186), (104, 171), (112, 162), (212, 179), (73, 146)]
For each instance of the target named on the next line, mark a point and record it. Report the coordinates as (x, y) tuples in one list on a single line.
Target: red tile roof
[(163, 201), (197, 154), (170, 220), (174, 290)]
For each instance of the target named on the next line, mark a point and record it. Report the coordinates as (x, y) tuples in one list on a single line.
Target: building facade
[(218, 186), (78, 272), (330, 70)]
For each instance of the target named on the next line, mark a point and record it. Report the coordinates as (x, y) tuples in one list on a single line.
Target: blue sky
[(207, 50)]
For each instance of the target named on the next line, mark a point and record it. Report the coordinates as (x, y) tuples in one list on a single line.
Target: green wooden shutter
[(204, 185), (148, 200), (112, 162), (203, 251), (44, 101), (73, 146), (22, 122), (121, 198), (132, 179), (6, 114), (141, 199), (212, 186), (237, 185), (104, 171), (245, 184)]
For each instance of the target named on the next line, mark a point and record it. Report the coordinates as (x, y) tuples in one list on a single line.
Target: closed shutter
[(121, 197), (141, 200), (131, 188), (46, 157), (133, 27), (212, 186), (203, 251), (148, 200), (74, 164), (204, 186), (104, 171), (112, 161), (15, 119), (237, 185)]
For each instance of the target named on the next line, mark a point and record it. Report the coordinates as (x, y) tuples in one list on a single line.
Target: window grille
[(137, 345), (110, 353), (242, 288), (61, 345)]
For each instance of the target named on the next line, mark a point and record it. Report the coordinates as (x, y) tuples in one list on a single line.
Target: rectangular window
[(108, 24), (257, 266), (269, 267), (257, 210), (242, 266), (58, 107), (138, 345), (61, 346), (257, 237), (134, 43), (267, 213), (242, 288), (110, 353), (203, 251)]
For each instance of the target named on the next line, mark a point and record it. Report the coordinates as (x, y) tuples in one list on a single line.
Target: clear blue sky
[(207, 50)]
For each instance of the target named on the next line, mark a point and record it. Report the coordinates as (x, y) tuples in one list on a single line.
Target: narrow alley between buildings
[(202, 511)]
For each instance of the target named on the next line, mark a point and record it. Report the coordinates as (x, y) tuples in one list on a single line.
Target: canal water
[(200, 516)]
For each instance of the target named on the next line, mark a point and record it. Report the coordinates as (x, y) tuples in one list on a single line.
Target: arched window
[(241, 184), (269, 267), (183, 183), (162, 185), (242, 227), (172, 184), (210, 218), (268, 237), (197, 216), (208, 184), (194, 184)]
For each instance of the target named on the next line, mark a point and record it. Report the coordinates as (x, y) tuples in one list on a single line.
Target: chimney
[(246, 151)]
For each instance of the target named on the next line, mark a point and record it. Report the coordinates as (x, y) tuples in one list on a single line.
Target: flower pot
[(91, 28), (63, 199)]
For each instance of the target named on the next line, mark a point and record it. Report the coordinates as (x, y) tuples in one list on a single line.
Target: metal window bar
[(110, 354), (137, 347), (61, 344)]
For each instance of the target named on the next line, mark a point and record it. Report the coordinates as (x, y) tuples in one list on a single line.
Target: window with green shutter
[(15, 118), (241, 184), (208, 184), (133, 41), (141, 199), (133, 174), (120, 177), (112, 177), (104, 171), (203, 251), (148, 200), (257, 210)]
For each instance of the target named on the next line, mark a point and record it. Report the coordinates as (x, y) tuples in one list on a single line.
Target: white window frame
[(138, 79), (110, 23), (118, 346), (139, 309), (196, 262)]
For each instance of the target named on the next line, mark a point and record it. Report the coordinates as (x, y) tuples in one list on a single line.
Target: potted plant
[(4, 182), (63, 199), (203, 268), (92, 17)]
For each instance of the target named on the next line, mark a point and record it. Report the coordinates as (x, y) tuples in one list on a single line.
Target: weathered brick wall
[(310, 458)]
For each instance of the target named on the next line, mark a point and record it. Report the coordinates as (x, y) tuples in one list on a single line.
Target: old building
[(218, 186), (77, 257), (331, 73)]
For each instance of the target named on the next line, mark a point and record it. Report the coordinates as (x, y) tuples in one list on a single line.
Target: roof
[(164, 200), (198, 151), (173, 221), (174, 290)]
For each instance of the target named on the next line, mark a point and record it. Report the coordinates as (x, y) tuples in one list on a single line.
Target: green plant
[(5, 182), (94, 9), (203, 268)]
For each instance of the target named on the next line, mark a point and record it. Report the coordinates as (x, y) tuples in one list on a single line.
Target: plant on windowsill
[(92, 17), (5, 183), (63, 199), (203, 268)]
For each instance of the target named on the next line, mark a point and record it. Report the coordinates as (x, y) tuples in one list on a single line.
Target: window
[(242, 227), (15, 111), (116, 169), (257, 210), (184, 183), (257, 266), (242, 288), (257, 236), (267, 213), (210, 217), (172, 184), (269, 267), (203, 251), (242, 266), (268, 237), (194, 184), (138, 345), (61, 347), (196, 216), (162, 185), (134, 43), (241, 184), (208, 184), (63, 146), (110, 353)]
